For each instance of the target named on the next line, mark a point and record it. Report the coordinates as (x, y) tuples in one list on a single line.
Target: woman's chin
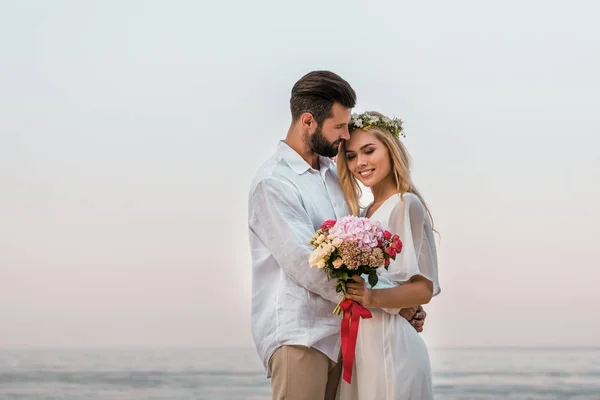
[(364, 182)]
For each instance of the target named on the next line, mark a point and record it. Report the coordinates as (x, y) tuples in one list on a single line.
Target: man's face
[(328, 136)]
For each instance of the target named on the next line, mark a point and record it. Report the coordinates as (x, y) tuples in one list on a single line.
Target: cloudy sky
[(130, 132)]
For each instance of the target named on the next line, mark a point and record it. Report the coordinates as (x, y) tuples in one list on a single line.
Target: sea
[(236, 374)]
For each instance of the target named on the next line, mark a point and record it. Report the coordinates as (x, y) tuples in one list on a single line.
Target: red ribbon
[(349, 330)]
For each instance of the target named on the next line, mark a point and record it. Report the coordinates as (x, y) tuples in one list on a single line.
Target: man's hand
[(416, 316), (408, 313)]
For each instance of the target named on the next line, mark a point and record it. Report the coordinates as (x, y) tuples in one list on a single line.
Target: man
[(292, 194)]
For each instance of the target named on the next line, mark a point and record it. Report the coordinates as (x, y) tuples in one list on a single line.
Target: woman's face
[(367, 157)]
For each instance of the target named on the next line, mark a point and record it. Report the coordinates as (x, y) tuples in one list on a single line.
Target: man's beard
[(318, 144)]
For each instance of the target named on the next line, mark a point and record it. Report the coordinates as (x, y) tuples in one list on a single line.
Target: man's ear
[(307, 121)]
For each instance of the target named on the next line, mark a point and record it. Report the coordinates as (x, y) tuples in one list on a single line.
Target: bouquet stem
[(340, 287)]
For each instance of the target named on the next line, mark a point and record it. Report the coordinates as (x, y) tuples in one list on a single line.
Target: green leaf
[(373, 279)]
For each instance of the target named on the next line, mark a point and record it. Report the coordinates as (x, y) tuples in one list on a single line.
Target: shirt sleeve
[(280, 221), (410, 221)]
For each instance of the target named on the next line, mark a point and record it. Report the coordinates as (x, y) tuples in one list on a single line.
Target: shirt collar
[(297, 163)]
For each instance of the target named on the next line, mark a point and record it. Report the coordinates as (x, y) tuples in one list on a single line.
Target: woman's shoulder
[(410, 197), (412, 200), (411, 206)]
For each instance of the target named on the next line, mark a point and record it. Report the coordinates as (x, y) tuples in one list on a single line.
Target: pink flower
[(362, 231), (391, 251)]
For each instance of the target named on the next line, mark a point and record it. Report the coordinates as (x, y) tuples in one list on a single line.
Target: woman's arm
[(417, 291), (415, 267)]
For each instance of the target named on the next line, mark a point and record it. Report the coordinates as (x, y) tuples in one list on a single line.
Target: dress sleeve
[(410, 221)]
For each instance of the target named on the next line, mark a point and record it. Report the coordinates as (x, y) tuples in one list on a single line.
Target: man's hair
[(316, 92)]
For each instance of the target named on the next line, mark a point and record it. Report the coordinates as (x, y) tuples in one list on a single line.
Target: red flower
[(397, 245), (387, 262), (395, 237), (387, 235), (391, 251), (328, 224)]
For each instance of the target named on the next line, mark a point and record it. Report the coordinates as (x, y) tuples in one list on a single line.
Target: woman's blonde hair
[(400, 168)]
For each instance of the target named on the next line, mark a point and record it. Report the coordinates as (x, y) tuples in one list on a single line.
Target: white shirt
[(292, 303)]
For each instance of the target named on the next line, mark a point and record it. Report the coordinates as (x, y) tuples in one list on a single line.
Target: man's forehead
[(340, 113)]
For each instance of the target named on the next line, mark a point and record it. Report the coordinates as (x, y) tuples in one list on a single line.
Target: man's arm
[(279, 220)]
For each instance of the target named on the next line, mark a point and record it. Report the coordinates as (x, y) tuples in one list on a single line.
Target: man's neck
[(295, 141)]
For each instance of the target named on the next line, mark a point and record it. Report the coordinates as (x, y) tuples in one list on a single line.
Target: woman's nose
[(361, 161)]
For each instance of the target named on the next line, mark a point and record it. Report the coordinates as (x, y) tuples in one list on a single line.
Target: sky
[(130, 132)]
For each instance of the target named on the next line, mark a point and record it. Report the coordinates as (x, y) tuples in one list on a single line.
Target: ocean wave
[(127, 378)]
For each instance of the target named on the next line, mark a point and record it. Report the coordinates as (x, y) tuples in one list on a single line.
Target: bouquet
[(347, 247), (352, 246)]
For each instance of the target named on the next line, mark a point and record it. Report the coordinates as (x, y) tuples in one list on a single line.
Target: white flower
[(314, 258), (322, 251), (321, 264), (337, 242), (327, 249), (320, 239), (358, 123)]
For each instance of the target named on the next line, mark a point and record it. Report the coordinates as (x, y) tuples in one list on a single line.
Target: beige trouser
[(303, 373)]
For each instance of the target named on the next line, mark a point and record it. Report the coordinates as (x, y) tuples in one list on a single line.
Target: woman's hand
[(356, 290)]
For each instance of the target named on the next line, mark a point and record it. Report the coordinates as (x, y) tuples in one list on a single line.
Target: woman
[(391, 359)]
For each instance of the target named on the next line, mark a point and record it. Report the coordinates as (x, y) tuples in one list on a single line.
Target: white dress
[(391, 359)]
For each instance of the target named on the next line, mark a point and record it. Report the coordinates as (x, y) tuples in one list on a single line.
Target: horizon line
[(200, 347)]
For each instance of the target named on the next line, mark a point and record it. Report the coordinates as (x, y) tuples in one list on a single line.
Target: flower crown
[(365, 121)]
